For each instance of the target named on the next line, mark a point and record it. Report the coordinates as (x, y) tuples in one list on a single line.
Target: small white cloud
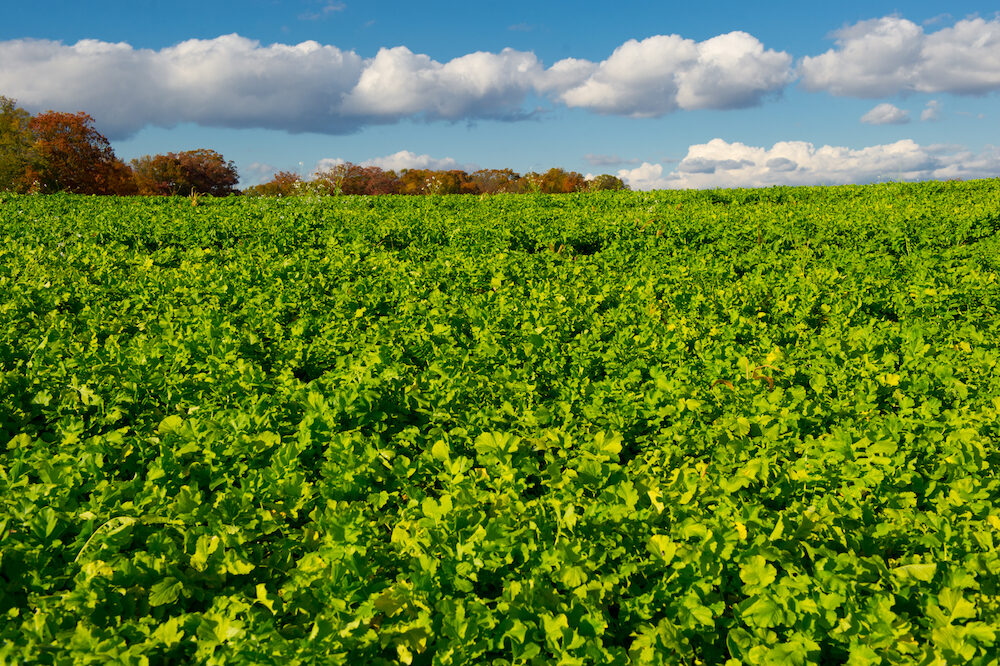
[(326, 164), (722, 164), (892, 55), (886, 114), (256, 173), (932, 111), (404, 159), (646, 176), (324, 11)]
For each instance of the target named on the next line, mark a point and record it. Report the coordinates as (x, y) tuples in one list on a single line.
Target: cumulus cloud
[(232, 81), (722, 164), (229, 81), (646, 176), (891, 55), (886, 114), (398, 83), (664, 73), (932, 111)]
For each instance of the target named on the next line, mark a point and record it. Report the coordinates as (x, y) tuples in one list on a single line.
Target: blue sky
[(664, 94)]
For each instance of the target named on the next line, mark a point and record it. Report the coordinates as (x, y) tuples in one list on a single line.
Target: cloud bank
[(722, 164), (232, 81)]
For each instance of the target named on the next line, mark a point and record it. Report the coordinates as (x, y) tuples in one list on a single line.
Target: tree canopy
[(16, 142), (199, 171), (72, 156)]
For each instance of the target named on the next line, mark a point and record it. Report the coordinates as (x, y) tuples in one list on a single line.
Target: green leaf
[(169, 424), (764, 612), (817, 383), (206, 545), (609, 444), (956, 605), (440, 450), (920, 572), (662, 547), (756, 571), (165, 592), (170, 632)]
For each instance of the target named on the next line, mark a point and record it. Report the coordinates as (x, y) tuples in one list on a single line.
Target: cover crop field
[(746, 426)]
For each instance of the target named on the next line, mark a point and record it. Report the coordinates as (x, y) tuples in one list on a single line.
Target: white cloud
[(257, 172), (722, 164), (646, 176), (932, 111), (326, 164), (664, 73), (232, 81), (404, 159), (399, 83), (326, 10), (886, 114), (229, 81), (891, 55)]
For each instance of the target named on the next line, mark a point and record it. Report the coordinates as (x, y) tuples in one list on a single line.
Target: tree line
[(63, 152)]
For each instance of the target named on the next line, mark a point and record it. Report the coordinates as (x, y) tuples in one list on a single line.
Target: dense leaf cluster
[(674, 427)]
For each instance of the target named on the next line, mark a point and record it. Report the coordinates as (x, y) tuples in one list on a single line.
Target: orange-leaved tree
[(203, 171), (282, 184), (350, 178), (495, 181), (72, 156), (560, 181)]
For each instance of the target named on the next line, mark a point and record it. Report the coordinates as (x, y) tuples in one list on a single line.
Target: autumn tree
[(72, 156), (605, 182), (495, 181), (203, 171), (560, 181), (16, 153), (378, 181), (350, 178), (414, 181), (282, 184)]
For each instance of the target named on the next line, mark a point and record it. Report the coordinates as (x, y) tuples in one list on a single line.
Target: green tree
[(16, 139), (605, 182)]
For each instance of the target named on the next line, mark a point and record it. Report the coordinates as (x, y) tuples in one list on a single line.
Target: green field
[(671, 427)]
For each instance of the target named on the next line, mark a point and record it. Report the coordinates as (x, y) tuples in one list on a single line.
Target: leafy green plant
[(751, 426)]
